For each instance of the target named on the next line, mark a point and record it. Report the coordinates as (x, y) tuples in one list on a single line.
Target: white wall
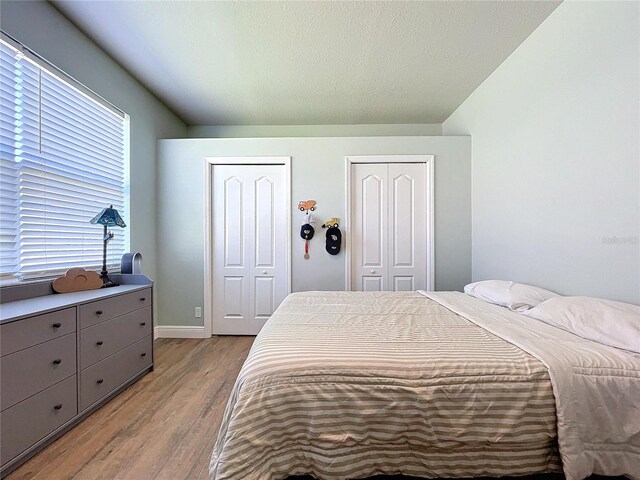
[(555, 156), (40, 27), (261, 131), (318, 172)]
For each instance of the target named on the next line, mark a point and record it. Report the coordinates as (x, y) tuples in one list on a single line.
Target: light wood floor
[(162, 427)]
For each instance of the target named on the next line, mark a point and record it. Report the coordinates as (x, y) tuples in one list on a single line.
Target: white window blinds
[(62, 161)]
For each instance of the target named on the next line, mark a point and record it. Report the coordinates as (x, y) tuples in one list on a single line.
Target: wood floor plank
[(163, 426)]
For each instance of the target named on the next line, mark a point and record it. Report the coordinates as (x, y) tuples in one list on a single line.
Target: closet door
[(388, 226), (249, 255), (369, 227), (407, 227)]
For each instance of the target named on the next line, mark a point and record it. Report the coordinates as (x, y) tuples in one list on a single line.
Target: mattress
[(354, 384)]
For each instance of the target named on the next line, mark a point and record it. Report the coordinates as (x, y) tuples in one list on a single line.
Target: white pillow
[(604, 321), (515, 296)]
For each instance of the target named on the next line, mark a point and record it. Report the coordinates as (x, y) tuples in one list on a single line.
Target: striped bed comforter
[(350, 384)]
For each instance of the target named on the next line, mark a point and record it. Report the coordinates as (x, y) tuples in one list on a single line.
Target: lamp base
[(107, 282)]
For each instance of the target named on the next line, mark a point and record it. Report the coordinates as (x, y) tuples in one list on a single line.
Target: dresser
[(62, 356)]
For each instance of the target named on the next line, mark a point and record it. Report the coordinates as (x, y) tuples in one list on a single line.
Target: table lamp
[(108, 217)]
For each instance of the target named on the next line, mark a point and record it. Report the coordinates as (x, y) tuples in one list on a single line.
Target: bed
[(345, 385)]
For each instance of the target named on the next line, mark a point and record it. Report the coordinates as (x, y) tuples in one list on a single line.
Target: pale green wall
[(556, 156), (167, 199), (318, 172), (40, 27), (261, 131)]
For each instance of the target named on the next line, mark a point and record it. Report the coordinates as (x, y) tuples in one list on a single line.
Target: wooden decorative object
[(77, 280), (334, 222), (307, 205)]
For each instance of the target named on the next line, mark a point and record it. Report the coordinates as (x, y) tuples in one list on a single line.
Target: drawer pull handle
[(143, 299), (57, 361), (56, 325), (99, 312), (99, 342), (57, 407), (142, 324), (143, 354), (100, 380)]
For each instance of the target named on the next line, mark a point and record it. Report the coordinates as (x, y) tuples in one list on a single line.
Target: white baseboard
[(177, 331)]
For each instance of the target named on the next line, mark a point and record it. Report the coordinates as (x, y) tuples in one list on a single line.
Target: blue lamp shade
[(109, 217)]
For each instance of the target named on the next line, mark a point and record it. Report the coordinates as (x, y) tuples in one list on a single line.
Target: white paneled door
[(250, 265), (389, 226)]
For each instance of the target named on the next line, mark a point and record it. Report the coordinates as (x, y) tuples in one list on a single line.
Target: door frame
[(429, 161), (209, 163)]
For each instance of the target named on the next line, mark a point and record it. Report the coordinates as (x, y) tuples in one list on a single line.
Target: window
[(63, 158)]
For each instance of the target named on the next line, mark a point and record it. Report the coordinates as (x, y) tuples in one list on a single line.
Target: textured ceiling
[(254, 63)]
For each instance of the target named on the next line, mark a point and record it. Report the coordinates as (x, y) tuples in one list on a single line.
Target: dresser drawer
[(103, 377), (33, 369), (99, 341), (96, 312), (31, 420), (31, 331)]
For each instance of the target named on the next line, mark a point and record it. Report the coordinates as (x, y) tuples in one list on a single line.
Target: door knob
[(264, 272), (373, 271)]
